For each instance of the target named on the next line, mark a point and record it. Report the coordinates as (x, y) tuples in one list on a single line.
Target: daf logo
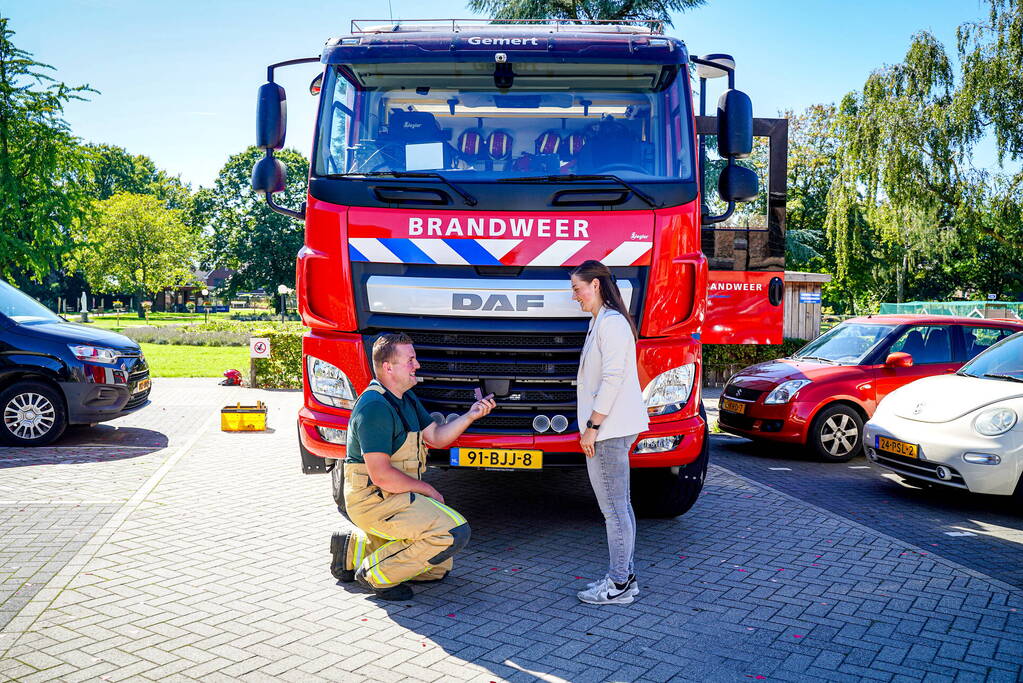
[(495, 302), (918, 408)]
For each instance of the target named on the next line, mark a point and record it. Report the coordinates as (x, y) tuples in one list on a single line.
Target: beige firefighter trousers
[(405, 536)]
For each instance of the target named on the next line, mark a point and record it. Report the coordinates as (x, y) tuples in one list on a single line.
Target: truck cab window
[(480, 132)]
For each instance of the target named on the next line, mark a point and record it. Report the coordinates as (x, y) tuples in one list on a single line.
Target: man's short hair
[(385, 348)]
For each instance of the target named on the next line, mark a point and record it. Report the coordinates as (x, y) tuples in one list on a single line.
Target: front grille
[(529, 375), (921, 469), (744, 393), (136, 400), (735, 420)]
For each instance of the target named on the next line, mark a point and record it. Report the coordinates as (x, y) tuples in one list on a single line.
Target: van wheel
[(31, 414), (836, 434), (664, 492)]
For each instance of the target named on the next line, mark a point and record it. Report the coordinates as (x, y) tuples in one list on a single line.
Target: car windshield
[(21, 308), (1003, 361), (464, 127), (848, 343)]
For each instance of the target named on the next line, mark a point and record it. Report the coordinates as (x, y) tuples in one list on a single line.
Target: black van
[(54, 373)]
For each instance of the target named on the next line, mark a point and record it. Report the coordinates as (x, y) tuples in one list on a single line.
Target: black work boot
[(395, 593), (339, 552)]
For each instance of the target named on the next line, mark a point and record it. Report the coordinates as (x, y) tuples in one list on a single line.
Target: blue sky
[(177, 81)]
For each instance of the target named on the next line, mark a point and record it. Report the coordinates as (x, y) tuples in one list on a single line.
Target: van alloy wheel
[(29, 415)]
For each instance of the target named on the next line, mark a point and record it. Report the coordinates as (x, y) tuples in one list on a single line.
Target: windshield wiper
[(575, 178), (1008, 377), (466, 197), (823, 360)]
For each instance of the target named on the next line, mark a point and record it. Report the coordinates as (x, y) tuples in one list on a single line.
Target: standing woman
[(610, 405)]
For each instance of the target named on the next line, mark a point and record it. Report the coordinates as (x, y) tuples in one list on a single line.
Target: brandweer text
[(499, 227)]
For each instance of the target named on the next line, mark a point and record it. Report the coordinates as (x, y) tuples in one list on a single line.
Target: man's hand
[(481, 408), (432, 493)]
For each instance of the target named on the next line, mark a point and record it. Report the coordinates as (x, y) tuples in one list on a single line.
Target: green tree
[(243, 233), (42, 165), (136, 244), (580, 11), (114, 169)]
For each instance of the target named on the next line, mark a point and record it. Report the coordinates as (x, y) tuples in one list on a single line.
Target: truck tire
[(836, 434), (31, 414), (663, 492), (337, 485)]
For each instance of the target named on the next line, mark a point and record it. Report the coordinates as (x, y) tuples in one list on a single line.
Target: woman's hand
[(588, 440)]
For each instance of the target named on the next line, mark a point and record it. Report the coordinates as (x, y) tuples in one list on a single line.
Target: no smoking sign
[(259, 347)]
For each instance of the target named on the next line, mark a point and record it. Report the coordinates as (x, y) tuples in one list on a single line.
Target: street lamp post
[(283, 291), (206, 303)]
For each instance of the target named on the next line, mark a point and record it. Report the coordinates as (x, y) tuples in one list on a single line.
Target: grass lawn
[(116, 324), (195, 361)]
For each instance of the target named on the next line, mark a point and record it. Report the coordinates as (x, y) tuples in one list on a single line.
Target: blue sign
[(221, 309), (809, 297)]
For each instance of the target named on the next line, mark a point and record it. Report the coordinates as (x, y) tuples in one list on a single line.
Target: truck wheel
[(836, 434), (663, 492), (337, 485), (31, 414)]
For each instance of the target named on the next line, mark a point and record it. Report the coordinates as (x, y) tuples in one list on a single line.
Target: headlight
[(670, 390), (328, 384), (995, 421), (784, 392), (94, 354)]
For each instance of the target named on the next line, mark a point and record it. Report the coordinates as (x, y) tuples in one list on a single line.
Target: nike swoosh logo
[(612, 596)]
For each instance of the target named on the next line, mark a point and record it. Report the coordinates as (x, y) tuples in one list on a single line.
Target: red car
[(821, 396)]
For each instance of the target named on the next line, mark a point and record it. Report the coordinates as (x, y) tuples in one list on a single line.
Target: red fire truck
[(460, 169)]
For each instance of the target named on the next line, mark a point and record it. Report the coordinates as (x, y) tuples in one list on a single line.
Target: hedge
[(283, 369), (721, 361)]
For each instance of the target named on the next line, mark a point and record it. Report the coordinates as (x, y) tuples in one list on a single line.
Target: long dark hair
[(591, 270)]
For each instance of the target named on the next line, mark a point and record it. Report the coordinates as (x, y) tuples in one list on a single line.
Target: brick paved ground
[(877, 498), (215, 568)]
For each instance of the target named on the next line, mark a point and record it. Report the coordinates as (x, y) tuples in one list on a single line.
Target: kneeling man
[(405, 531)]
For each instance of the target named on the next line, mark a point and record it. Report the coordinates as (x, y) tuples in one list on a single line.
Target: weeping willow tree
[(908, 202), (579, 11)]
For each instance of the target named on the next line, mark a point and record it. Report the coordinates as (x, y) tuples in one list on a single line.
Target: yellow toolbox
[(239, 418)]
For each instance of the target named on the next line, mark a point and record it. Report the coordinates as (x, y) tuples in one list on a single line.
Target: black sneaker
[(396, 593), (339, 552)]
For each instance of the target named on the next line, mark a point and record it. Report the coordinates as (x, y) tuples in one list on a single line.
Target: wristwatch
[(590, 425)]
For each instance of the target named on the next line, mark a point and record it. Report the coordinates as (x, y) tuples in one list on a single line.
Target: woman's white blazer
[(608, 381)]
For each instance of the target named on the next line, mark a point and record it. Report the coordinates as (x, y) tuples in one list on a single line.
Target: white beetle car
[(961, 430)]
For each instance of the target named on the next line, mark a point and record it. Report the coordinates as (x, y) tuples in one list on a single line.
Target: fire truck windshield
[(482, 133)]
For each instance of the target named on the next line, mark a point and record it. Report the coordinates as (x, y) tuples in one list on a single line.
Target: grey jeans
[(609, 476)]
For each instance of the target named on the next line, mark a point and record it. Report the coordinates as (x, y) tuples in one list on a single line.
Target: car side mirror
[(898, 360), (271, 116), (735, 125)]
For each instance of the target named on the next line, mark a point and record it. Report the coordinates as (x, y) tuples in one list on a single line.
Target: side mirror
[(269, 175), (317, 85), (271, 116), (898, 360), (737, 184), (735, 125)]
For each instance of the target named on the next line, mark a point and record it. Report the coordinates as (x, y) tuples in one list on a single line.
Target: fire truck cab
[(459, 171)]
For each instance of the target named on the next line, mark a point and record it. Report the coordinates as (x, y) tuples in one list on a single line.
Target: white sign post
[(259, 347)]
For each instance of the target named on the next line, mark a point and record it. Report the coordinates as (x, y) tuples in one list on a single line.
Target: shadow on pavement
[(83, 444), (509, 606)]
